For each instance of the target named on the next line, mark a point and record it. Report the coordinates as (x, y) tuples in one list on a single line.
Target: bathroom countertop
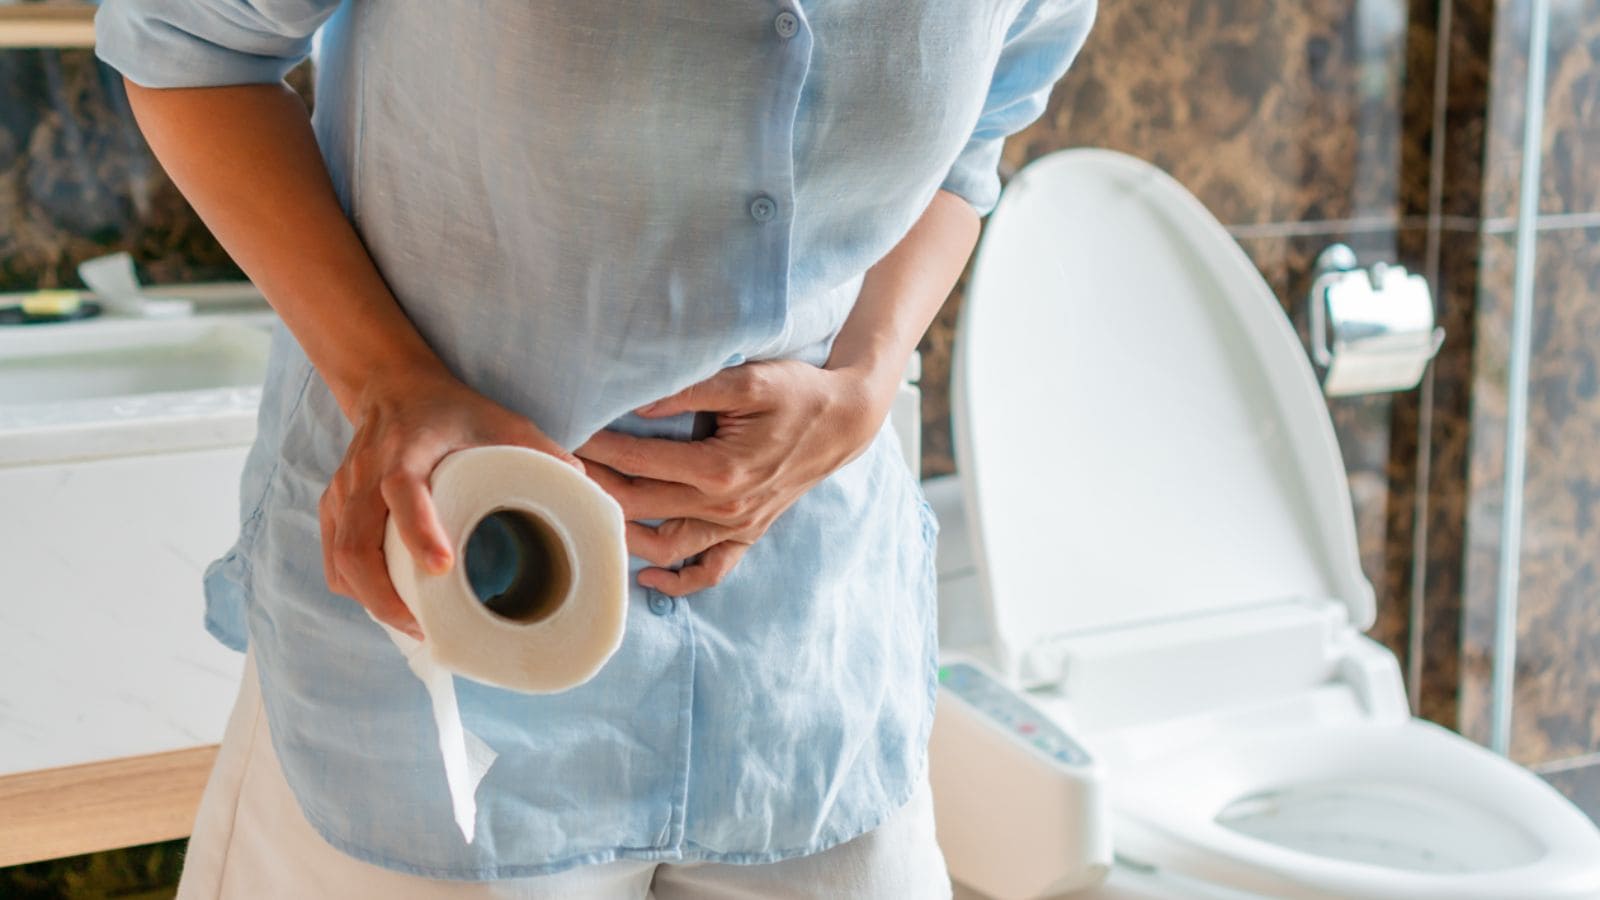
[(124, 385), (103, 427)]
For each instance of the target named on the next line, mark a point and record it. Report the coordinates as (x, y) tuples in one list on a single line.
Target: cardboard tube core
[(518, 565)]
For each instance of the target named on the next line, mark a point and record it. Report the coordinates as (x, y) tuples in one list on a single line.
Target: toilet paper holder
[(1372, 330)]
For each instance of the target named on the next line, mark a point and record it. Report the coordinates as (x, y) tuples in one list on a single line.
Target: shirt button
[(762, 208), (786, 24), (660, 603)]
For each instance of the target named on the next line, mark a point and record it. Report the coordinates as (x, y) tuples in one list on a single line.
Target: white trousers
[(251, 842)]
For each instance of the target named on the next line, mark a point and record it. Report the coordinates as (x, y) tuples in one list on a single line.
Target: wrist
[(391, 383), (868, 393)]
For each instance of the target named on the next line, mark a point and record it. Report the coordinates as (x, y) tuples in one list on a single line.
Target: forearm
[(902, 293), (247, 160)]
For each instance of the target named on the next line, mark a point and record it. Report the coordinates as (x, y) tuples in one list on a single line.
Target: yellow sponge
[(52, 303)]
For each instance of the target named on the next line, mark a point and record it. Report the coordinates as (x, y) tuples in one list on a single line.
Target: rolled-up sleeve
[(1040, 44), (204, 43)]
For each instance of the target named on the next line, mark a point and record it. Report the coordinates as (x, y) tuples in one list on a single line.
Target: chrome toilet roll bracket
[(1372, 330)]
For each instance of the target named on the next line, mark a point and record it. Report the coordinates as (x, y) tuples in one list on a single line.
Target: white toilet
[(1151, 538)]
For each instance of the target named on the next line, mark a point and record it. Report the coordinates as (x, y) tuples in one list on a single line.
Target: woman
[(573, 227)]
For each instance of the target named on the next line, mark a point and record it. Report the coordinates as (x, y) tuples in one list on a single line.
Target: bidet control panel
[(1008, 711), (1021, 808)]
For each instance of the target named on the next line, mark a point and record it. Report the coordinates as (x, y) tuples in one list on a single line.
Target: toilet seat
[(1527, 841), (1149, 469), (1112, 321)]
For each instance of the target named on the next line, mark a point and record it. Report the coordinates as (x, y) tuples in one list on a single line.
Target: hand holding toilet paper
[(555, 621)]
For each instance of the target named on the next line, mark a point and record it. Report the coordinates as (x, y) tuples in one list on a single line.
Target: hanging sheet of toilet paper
[(558, 618)]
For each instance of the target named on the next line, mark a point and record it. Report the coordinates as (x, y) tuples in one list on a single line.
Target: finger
[(674, 540), (734, 389), (327, 517), (695, 463), (713, 566), (608, 478), (646, 498), (359, 554), (411, 505)]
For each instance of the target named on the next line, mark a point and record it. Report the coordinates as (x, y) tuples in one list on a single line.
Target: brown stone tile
[(938, 453), (1495, 64), (77, 181), (1581, 785), (1570, 139), (1557, 676), (1485, 71), (1417, 103), (1270, 110), (1556, 709), (1449, 678), (1570, 169)]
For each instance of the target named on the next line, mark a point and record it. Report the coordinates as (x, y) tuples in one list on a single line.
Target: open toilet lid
[(1139, 432)]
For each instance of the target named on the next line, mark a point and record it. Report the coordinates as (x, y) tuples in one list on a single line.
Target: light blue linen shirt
[(583, 207)]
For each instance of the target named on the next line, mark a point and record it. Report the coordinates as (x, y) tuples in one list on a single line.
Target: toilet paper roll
[(557, 606)]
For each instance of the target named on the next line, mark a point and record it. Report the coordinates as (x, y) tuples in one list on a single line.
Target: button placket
[(772, 206)]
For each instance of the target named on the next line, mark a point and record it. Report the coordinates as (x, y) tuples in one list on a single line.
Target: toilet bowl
[(1357, 811), (1151, 537)]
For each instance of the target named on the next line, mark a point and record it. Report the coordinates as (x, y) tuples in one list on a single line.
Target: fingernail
[(439, 563), (645, 409)]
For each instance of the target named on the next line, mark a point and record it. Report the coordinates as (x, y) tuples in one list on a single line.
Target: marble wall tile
[(1570, 140), (938, 450), (1417, 103), (77, 180), (1556, 702), (1269, 110), (1489, 68), (1449, 479), (1474, 149), (1570, 176), (1482, 116), (1500, 55), (1556, 694)]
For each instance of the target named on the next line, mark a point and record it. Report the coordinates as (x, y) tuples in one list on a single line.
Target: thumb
[(412, 513)]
